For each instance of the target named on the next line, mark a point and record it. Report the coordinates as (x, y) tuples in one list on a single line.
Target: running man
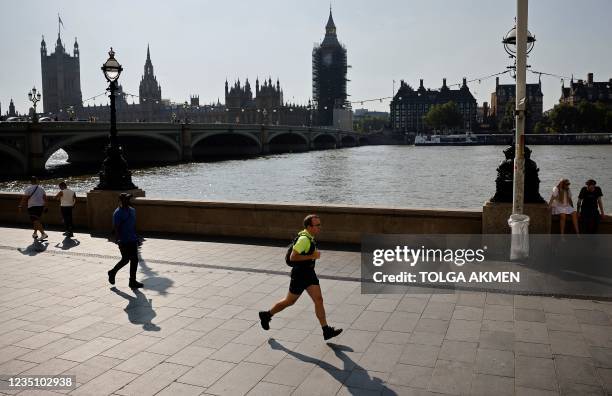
[(303, 277), (36, 199)]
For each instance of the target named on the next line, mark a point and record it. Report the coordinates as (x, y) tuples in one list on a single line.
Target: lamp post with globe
[(114, 174), (34, 98)]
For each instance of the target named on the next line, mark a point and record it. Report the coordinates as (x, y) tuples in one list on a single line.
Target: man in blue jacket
[(124, 230)]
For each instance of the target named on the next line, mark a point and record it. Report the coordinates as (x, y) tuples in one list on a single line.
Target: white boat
[(466, 139)]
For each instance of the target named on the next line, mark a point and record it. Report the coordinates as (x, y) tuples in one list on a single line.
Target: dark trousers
[(129, 252), (67, 216), (589, 222)]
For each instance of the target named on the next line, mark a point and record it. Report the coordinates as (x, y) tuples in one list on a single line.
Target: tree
[(445, 116), (506, 124), (370, 123), (564, 118)]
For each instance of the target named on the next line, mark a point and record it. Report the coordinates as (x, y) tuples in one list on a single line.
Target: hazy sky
[(195, 45)]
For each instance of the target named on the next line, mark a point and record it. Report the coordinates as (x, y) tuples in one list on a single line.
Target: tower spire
[(148, 53)]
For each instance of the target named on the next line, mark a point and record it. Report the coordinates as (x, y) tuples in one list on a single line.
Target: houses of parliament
[(62, 98)]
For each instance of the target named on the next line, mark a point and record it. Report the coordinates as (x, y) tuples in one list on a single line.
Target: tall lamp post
[(114, 174), (518, 42), (34, 98)]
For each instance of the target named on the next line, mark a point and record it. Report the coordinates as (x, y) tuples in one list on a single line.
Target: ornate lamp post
[(34, 98), (185, 107), (114, 174), (71, 113)]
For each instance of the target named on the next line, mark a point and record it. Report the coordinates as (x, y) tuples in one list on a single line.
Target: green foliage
[(370, 123), (585, 117), (506, 124), (443, 117)]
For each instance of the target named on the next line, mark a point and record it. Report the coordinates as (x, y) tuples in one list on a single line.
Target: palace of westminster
[(62, 99)]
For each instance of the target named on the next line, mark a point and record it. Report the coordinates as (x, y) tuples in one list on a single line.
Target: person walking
[(36, 199), (124, 230), (303, 277), (562, 205), (67, 199), (589, 201)]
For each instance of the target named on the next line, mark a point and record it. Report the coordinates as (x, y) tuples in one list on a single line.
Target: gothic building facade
[(409, 106), (505, 96), (61, 77), (329, 69), (589, 90)]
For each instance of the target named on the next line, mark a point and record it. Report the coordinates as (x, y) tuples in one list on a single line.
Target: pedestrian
[(562, 205), (124, 230), (589, 201), (36, 199), (67, 199), (303, 277)]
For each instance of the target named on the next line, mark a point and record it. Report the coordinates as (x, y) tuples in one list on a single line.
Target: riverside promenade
[(193, 329)]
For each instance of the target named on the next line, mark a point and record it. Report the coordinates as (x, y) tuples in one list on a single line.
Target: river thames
[(402, 176)]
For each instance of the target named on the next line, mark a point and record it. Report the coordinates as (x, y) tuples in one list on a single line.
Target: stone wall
[(341, 223)]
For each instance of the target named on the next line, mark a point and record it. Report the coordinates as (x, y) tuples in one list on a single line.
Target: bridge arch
[(225, 143), (140, 147), (12, 161), (348, 141), (287, 141), (324, 141)]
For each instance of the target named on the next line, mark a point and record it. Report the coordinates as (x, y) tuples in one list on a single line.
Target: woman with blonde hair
[(562, 205)]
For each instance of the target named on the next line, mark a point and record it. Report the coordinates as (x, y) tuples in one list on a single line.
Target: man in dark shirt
[(589, 201), (124, 229)]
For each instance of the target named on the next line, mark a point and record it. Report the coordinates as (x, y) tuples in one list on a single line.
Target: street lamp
[(185, 107), (518, 43), (34, 98), (114, 174), (71, 113)]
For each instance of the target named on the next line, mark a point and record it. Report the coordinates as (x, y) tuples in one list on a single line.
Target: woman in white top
[(562, 205), (67, 199)]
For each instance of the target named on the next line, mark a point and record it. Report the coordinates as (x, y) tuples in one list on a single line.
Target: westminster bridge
[(26, 147)]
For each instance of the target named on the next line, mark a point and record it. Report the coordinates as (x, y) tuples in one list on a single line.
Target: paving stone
[(450, 377), (74, 325), (15, 366), (592, 317), (575, 369), (51, 367), (562, 322), (175, 342), (529, 315), (393, 337), (105, 384), (468, 313), (532, 350), (495, 362), (217, 338), (270, 389), (232, 352), (471, 299), (606, 378), (461, 351), (568, 343), (265, 354), (39, 340), (531, 332), (419, 337), (321, 382), (191, 355), (602, 357), (89, 349), (371, 321), (240, 379), (500, 340), (358, 340), (528, 302), (129, 347), (289, 372), (568, 389), (412, 376), (383, 305), (463, 330), (497, 325), (153, 380), (499, 299), (538, 373), (382, 357), (438, 310), (92, 368), (141, 362), (437, 326), (401, 321), (51, 350), (600, 336), (178, 389), (487, 385), (412, 304), (206, 373)]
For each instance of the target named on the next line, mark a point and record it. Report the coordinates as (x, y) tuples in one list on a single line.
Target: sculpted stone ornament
[(505, 178), (115, 174)]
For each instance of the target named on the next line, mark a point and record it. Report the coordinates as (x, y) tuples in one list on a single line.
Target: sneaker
[(35, 235), (44, 236), (330, 332), (134, 284), (111, 277), (265, 317)]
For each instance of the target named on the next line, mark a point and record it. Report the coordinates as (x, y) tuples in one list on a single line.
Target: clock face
[(327, 59)]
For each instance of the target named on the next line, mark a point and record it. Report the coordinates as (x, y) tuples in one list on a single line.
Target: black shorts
[(301, 279), (35, 212)]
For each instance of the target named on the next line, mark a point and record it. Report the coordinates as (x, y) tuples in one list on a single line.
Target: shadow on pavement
[(341, 374), (68, 243), (153, 282), (36, 247), (139, 309)]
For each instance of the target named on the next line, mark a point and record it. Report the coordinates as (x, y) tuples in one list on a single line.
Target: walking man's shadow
[(139, 309), (68, 243), (36, 247), (153, 282), (349, 365)]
